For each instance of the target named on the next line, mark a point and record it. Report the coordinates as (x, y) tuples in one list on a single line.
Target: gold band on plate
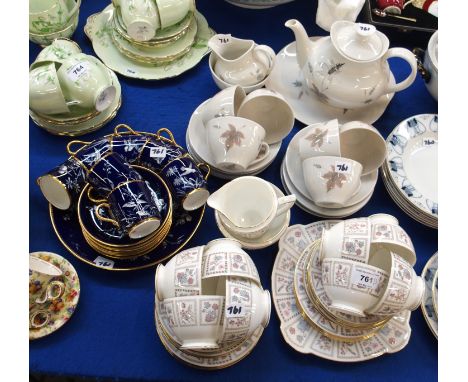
[(68, 121)]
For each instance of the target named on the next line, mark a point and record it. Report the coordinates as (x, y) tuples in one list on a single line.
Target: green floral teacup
[(57, 52), (45, 92), (47, 16), (86, 82), (140, 18)]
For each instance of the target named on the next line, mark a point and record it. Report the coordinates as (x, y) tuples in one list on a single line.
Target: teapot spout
[(304, 46)]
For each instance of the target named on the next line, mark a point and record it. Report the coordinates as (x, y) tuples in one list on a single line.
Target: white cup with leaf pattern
[(86, 82), (141, 18), (236, 143)]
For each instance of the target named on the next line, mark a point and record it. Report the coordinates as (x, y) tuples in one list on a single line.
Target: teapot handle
[(406, 55), (265, 55)]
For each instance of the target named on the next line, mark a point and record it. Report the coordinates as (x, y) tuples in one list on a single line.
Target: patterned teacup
[(140, 17), (351, 286), (331, 181), (236, 143), (47, 16), (157, 153), (321, 139), (187, 181), (173, 11), (57, 52), (194, 321), (89, 153), (224, 103)]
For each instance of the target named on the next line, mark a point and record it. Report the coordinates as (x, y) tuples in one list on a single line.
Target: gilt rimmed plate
[(69, 299), (98, 28), (427, 306), (298, 333), (412, 162), (88, 126), (293, 167), (286, 78)]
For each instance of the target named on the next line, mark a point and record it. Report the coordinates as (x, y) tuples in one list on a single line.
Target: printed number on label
[(366, 280), (103, 262), (77, 71), (235, 310), (343, 167), (224, 39), (429, 142), (131, 71), (158, 152)]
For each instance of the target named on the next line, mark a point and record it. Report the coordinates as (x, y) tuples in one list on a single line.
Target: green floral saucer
[(99, 28), (61, 309)]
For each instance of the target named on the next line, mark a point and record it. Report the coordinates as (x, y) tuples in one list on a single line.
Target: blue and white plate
[(410, 170), (429, 312), (109, 233)]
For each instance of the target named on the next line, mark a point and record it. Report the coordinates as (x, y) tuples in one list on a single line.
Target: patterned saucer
[(427, 307), (62, 308), (68, 230), (298, 332), (214, 360)]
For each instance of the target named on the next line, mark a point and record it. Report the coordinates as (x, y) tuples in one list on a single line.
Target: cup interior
[(44, 267), (55, 192)]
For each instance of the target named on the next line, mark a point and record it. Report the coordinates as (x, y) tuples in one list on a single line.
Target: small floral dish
[(62, 308)]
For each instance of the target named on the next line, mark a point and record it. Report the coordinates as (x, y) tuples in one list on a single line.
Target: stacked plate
[(172, 50), (293, 181), (308, 323), (430, 307), (111, 241), (197, 146), (410, 170)]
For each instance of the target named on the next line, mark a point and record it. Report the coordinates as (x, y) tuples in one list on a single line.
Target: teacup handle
[(265, 55), (207, 169), (76, 142), (45, 318), (409, 57), (265, 154), (126, 127), (54, 290), (285, 203), (92, 198), (103, 218), (168, 132)]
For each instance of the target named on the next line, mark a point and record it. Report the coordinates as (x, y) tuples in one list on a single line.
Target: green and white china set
[(52, 19), (238, 133)]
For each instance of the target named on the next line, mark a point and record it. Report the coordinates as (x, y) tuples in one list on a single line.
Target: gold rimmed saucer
[(67, 120), (180, 29)]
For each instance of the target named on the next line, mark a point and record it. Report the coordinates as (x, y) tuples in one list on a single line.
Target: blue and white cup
[(187, 181), (90, 152), (128, 143), (110, 172), (61, 185), (132, 209)]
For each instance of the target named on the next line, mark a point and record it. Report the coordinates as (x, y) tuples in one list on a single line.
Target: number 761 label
[(235, 310), (343, 167)]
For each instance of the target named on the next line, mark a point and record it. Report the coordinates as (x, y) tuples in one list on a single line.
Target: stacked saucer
[(149, 39), (236, 134), (71, 93), (341, 159), (430, 307), (210, 307), (49, 20), (410, 171), (317, 308)]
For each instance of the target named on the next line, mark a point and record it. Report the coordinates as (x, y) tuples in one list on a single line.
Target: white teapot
[(349, 68)]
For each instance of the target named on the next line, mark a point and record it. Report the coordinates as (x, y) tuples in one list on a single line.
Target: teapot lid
[(358, 42)]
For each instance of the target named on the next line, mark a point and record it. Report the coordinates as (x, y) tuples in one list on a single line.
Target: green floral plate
[(61, 309), (99, 28)]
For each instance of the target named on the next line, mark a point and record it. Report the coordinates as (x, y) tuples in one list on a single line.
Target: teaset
[(343, 290)]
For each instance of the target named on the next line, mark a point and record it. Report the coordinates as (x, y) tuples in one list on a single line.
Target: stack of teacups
[(125, 187), (154, 31), (238, 134), (71, 93), (209, 302), (51, 19), (235, 61), (357, 277), (247, 208), (333, 169)]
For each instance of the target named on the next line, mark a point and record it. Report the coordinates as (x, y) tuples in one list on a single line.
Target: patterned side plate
[(68, 230), (412, 161), (99, 27), (298, 333), (63, 308), (427, 306)]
